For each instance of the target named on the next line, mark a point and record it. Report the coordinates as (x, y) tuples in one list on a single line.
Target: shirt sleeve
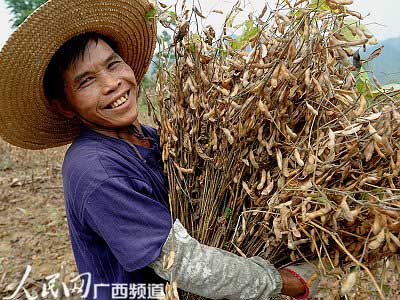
[(124, 212)]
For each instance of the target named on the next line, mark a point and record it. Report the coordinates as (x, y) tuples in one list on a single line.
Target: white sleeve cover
[(214, 273)]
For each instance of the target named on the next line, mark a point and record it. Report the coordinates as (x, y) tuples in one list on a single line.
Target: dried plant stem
[(358, 263)]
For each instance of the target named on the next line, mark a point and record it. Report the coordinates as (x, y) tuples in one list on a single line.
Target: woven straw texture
[(25, 120)]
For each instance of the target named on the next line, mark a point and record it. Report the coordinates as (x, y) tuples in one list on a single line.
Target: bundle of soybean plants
[(271, 146)]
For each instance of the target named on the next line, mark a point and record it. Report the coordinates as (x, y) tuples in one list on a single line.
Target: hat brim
[(25, 118)]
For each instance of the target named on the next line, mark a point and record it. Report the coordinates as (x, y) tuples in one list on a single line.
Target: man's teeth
[(120, 101)]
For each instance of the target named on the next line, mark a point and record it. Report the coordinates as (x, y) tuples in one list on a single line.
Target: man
[(72, 72)]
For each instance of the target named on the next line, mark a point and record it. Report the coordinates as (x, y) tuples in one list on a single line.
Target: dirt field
[(33, 227)]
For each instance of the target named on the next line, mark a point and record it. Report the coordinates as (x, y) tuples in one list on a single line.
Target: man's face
[(102, 88)]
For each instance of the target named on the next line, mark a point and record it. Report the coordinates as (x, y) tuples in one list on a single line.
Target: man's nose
[(110, 83)]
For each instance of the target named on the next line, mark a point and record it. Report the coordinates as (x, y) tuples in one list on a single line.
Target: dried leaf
[(246, 188), (378, 240), (312, 109), (298, 158), (217, 11), (354, 128), (171, 259), (198, 12), (268, 189), (307, 78), (253, 160), (228, 135), (262, 180), (279, 158), (375, 53), (348, 284)]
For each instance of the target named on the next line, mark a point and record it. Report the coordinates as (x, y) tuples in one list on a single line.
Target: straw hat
[(25, 120)]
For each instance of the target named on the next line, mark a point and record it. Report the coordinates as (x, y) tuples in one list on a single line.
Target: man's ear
[(58, 106)]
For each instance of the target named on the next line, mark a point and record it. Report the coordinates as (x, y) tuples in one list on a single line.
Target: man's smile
[(120, 101)]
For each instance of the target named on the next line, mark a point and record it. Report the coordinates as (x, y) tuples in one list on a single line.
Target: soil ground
[(33, 227)]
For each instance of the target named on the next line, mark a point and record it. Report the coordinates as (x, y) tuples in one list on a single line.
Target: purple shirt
[(116, 199)]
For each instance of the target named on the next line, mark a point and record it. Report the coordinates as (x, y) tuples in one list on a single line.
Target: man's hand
[(305, 275)]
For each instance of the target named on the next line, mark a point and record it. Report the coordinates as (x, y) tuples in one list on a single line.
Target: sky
[(5, 25), (381, 16)]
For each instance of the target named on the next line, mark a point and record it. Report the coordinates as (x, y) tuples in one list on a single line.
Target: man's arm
[(214, 273)]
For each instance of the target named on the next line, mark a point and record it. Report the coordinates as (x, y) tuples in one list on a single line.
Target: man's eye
[(85, 82), (113, 64)]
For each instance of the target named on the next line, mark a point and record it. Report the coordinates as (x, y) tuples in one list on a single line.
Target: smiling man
[(86, 79), (71, 73)]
